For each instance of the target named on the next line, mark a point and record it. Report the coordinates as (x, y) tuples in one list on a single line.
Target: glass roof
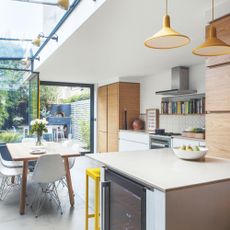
[(20, 23)]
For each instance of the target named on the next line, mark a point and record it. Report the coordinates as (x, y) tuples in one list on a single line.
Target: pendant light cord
[(213, 16), (166, 6)]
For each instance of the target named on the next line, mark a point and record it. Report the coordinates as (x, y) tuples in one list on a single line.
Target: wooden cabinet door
[(218, 88), (113, 108), (218, 134), (102, 143), (129, 99), (102, 109), (113, 142)]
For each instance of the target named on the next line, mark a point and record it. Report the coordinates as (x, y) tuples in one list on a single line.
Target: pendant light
[(63, 4), (166, 38), (37, 40), (212, 46)]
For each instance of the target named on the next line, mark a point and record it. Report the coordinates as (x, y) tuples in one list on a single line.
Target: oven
[(158, 142)]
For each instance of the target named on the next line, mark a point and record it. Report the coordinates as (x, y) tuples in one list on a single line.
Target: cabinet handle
[(105, 205)]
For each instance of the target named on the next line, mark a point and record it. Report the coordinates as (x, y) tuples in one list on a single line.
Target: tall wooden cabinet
[(113, 100), (218, 97), (102, 124)]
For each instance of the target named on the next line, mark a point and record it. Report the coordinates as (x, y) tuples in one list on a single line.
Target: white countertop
[(160, 168)]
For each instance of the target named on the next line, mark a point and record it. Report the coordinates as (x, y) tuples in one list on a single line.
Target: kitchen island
[(179, 195)]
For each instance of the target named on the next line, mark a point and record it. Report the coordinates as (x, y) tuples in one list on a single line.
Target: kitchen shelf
[(179, 114), (193, 104)]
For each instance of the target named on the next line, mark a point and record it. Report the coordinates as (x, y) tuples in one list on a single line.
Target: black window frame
[(83, 85)]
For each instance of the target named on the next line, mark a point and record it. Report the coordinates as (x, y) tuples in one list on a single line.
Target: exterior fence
[(80, 114)]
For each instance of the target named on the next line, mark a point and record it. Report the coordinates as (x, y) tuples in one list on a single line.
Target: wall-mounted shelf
[(189, 114), (193, 104)]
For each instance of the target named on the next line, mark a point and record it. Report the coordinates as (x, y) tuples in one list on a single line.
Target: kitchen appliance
[(159, 131), (161, 139), (123, 202), (158, 142), (180, 82)]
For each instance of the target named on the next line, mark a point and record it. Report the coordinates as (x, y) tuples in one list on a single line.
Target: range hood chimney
[(180, 82)]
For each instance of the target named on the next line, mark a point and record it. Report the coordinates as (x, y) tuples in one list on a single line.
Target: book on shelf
[(191, 106)]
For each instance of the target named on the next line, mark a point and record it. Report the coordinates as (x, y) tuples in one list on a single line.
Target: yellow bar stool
[(93, 173)]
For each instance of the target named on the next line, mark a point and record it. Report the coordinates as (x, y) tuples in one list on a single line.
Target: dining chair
[(7, 184), (31, 164), (11, 164), (72, 147), (6, 158), (48, 170)]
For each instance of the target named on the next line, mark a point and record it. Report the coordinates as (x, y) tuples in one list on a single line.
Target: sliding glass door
[(69, 109)]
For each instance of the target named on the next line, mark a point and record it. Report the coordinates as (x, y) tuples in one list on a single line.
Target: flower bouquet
[(38, 126)]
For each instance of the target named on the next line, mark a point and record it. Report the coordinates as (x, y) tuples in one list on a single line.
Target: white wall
[(162, 81), (79, 16)]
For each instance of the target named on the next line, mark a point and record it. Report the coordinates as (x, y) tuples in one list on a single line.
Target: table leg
[(23, 187), (69, 182)]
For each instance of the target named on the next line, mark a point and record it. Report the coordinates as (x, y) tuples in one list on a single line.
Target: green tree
[(3, 108), (48, 95), (13, 92)]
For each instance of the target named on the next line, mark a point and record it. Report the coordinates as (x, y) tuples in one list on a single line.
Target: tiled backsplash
[(178, 123)]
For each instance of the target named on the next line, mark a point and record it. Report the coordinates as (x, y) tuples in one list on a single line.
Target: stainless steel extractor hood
[(180, 82)]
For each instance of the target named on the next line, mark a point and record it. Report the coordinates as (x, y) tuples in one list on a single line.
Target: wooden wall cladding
[(218, 134), (218, 88)]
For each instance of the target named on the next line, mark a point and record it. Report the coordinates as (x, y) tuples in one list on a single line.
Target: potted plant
[(38, 126)]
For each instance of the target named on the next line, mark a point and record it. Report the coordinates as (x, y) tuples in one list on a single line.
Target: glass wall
[(14, 98)]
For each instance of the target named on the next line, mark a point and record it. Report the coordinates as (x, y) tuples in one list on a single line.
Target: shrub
[(79, 97), (9, 137), (84, 127)]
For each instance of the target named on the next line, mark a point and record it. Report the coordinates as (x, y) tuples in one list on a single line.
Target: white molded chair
[(72, 148), (49, 169), (11, 164), (7, 184)]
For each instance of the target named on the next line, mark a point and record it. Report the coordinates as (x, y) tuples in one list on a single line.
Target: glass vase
[(39, 140)]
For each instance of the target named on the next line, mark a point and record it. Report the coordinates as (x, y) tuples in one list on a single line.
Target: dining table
[(25, 152)]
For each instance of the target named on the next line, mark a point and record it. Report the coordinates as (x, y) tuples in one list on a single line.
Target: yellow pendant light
[(166, 38), (64, 4), (37, 41), (212, 46)]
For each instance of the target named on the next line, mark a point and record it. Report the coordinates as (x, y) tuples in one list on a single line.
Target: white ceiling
[(110, 43)]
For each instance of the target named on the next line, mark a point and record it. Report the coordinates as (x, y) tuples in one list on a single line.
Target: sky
[(20, 20)]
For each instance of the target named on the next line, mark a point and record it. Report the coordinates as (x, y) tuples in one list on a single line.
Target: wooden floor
[(50, 219)]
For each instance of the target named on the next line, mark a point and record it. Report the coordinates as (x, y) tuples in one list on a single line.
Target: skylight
[(22, 22)]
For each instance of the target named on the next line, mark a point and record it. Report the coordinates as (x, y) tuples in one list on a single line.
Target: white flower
[(32, 122), (44, 121)]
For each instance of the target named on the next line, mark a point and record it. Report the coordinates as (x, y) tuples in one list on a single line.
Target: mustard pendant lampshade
[(166, 38), (212, 46), (37, 41), (64, 4)]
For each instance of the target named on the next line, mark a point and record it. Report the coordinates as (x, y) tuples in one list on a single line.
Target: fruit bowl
[(190, 154)]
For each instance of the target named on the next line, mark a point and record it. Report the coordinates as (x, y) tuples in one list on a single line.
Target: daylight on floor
[(114, 115)]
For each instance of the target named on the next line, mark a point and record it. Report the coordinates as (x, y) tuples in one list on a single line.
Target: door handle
[(105, 205)]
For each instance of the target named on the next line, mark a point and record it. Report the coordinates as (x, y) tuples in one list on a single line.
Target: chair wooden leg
[(87, 203)]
